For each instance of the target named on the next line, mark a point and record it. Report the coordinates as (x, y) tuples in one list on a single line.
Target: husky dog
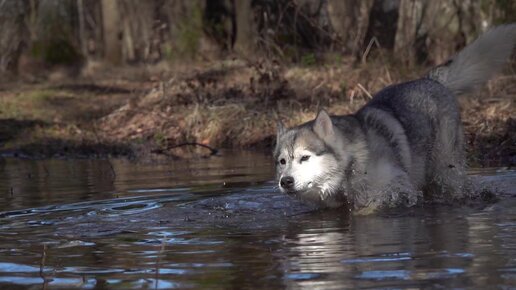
[(404, 146)]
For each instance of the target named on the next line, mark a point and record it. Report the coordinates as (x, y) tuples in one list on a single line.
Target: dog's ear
[(280, 129), (323, 126)]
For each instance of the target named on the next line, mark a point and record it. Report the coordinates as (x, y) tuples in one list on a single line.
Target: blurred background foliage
[(41, 34)]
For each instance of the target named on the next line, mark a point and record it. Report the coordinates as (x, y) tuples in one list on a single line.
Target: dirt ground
[(151, 114)]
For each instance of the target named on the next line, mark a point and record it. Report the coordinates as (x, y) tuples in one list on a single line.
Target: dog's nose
[(287, 182)]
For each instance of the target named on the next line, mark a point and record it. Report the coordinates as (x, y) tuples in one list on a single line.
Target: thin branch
[(365, 91)]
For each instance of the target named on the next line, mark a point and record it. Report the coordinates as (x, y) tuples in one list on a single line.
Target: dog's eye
[(304, 158), (282, 161)]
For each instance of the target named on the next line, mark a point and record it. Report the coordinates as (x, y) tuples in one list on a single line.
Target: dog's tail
[(477, 62)]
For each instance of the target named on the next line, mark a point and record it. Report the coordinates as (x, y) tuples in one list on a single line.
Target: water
[(219, 223)]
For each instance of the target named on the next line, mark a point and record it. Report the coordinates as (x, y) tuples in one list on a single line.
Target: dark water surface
[(219, 223)]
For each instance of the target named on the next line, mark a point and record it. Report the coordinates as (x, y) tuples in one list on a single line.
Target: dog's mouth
[(297, 192), (292, 192)]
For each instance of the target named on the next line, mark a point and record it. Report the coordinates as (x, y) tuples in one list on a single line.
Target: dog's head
[(311, 161)]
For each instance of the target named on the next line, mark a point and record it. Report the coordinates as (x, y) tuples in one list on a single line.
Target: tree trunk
[(13, 34), (245, 27), (111, 31), (382, 23), (185, 37), (82, 31), (405, 36), (137, 23)]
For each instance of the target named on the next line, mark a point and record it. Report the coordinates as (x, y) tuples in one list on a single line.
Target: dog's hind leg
[(446, 175)]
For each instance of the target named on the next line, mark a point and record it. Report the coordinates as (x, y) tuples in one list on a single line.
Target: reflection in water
[(443, 248), (217, 223), (61, 181)]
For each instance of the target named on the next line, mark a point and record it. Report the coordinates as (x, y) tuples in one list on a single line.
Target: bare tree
[(137, 26), (111, 31), (13, 33), (185, 28), (350, 20), (245, 27)]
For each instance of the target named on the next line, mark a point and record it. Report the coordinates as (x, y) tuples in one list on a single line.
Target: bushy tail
[(477, 62)]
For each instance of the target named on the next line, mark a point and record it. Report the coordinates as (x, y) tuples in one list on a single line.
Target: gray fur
[(404, 146)]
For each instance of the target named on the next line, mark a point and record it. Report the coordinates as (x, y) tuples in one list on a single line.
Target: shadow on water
[(219, 223)]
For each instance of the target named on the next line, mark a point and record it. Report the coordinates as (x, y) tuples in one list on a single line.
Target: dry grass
[(237, 104), (490, 124), (230, 104)]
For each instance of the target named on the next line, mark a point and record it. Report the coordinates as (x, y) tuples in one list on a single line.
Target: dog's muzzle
[(287, 182)]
